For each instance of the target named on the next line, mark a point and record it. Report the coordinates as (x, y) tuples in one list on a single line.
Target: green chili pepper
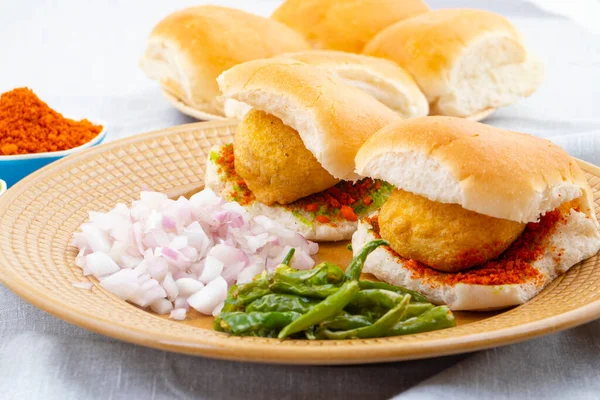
[(416, 309), (321, 274), (370, 299), (437, 318), (288, 257), (254, 323), (344, 321), (379, 328), (282, 302), (310, 333), (327, 308), (241, 295), (301, 289), (415, 297), (355, 267)]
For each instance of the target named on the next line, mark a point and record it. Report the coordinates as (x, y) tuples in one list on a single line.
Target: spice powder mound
[(512, 267), (28, 125)]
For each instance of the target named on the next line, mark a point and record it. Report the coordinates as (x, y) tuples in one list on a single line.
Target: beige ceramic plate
[(40, 213)]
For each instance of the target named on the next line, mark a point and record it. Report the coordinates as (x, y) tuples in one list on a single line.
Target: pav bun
[(513, 177), (188, 49), (383, 79), (487, 170), (332, 118), (345, 25), (465, 61)]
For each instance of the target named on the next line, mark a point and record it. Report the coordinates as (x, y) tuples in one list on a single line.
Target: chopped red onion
[(170, 254)]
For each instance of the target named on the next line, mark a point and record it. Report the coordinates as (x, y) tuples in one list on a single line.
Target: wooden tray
[(39, 215)]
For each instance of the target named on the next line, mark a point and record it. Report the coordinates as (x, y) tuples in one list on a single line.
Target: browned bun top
[(345, 25), (188, 49), (488, 170), (333, 118)]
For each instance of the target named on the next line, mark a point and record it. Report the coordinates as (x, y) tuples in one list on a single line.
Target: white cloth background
[(82, 59)]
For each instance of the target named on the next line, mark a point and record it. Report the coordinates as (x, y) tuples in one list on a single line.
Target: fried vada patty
[(274, 162), (445, 237)]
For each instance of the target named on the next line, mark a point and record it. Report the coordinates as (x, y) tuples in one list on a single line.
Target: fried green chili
[(327, 303), (415, 297), (380, 328), (356, 265), (327, 308)]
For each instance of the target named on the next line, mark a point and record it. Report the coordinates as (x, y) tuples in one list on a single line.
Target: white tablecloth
[(82, 59)]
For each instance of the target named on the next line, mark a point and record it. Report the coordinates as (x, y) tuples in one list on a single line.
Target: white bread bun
[(332, 118), (574, 239), (188, 49), (464, 61), (383, 79), (487, 170), (345, 25)]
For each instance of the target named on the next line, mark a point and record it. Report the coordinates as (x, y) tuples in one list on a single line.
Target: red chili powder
[(513, 266)]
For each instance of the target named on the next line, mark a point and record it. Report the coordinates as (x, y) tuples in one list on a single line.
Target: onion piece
[(161, 306), (206, 300), (178, 314), (188, 286)]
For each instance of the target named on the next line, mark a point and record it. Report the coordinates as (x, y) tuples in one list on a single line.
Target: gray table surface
[(82, 58)]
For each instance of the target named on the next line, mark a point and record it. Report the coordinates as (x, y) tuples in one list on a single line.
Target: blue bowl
[(15, 168)]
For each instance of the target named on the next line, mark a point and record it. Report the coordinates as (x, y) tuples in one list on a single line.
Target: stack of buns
[(456, 62)]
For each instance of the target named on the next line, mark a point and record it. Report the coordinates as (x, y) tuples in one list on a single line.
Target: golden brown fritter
[(274, 162), (443, 236)]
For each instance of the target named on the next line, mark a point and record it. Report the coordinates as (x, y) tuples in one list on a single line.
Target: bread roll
[(385, 80), (188, 49), (345, 25), (465, 61), (491, 171), (332, 118)]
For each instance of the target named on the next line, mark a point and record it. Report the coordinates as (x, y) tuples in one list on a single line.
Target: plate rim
[(240, 350)]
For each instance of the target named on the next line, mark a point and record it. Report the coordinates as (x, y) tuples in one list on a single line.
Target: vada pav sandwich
[(466, 62), (188, 49), (293, 154), (480, 217), (345, 25), (383, 79)]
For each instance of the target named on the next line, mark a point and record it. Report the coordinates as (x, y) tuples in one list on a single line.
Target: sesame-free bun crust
[(491, 171), (332, 118), (574, 239), (383, 79), (465, 61), (188, 49), (345, 25)]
